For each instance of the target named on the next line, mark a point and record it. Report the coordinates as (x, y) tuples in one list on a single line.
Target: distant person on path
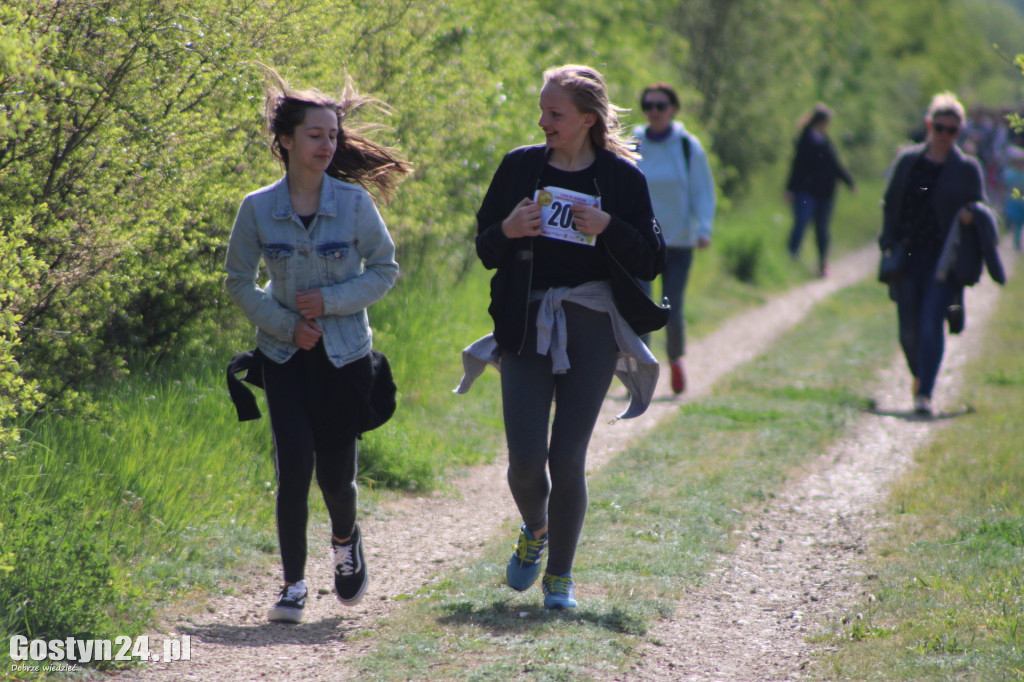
[(932, 185), (683, 195), (1013, 184), (811, 186), (568, 227), (329, 257)]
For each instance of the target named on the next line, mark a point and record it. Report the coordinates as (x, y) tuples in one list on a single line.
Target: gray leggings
[(527, 389)]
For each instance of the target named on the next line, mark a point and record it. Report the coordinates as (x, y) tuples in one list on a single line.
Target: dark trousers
[(805, 207), (921, 305), (527, 389), (313, 415), (673, 287)]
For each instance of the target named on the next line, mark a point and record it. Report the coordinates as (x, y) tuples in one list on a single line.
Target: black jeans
[(527, 390), (314, 409)]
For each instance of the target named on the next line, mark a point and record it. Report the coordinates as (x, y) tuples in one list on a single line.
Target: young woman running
[(329, 257)]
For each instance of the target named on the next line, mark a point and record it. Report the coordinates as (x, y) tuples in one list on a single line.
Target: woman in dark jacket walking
[(932, 184), (811, 186), (564, 224)]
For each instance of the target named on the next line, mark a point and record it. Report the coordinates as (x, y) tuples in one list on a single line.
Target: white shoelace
[(343, 562), (296, 592)]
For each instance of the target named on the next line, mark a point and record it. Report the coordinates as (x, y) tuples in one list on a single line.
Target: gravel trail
[(799, 565)]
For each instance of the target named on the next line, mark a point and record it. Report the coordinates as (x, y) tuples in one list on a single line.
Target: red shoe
[(678, 376)]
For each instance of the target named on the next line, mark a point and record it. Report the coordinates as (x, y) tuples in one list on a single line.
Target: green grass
[(672, 501), (949, 596), (422, 326), (161, 494)]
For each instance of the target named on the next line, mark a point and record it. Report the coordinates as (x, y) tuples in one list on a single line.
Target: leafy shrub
[(17, 394), (742, 256), (117, 135)]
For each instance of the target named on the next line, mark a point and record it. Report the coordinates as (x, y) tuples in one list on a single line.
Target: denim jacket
[(347, 253)]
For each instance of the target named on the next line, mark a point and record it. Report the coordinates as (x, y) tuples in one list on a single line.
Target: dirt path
[(410, 540), (798, 567)]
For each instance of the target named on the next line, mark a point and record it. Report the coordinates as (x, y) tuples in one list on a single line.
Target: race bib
[(556, 214)]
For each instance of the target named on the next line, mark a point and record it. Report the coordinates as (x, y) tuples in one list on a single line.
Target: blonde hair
[(587, 89), (945, 104)]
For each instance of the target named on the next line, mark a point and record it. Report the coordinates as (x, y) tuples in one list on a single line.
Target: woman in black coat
[(564, 225), (811, 186), (932, 185)]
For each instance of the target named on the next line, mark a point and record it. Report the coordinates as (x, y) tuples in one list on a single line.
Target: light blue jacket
[(347, 253), (683, 194)]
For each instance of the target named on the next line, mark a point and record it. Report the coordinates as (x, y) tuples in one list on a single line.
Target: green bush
[(119, 134), (741, 257), (17, 394)]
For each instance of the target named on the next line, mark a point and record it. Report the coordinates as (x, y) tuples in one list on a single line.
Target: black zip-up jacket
[(978, 249), (632, 240), (816, 167), (960, 183)]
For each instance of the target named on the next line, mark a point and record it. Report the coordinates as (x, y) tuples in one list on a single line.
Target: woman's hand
[(967, 215), (589, 219), (310, 303), (306, 334), (523, 221)]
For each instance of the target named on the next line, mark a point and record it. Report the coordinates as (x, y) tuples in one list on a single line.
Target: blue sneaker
[(559, 591), (524, 564)]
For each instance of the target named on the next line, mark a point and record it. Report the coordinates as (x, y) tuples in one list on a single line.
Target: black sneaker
[(350, 576), (288, 608)]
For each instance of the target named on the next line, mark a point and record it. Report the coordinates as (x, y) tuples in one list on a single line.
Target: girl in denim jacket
[(329, 256)]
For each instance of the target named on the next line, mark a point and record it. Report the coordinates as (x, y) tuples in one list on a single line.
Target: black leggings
[(313, 414), (527, 389)]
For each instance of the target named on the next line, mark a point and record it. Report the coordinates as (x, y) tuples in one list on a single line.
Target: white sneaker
[(288, 608), (922, 405)]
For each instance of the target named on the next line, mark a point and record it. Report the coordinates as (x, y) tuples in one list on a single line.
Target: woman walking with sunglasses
[(932, 184), (683, 196)]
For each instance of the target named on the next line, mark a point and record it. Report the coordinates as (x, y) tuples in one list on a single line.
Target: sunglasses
[(943, 129), (655, 106)]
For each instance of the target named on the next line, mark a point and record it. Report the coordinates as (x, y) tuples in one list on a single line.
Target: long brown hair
[(816, 115), (357, 158)]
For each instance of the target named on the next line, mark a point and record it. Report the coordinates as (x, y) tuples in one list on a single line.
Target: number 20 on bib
[(556, 214)]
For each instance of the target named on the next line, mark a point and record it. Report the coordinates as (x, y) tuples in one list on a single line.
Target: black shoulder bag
[(641, 313)]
